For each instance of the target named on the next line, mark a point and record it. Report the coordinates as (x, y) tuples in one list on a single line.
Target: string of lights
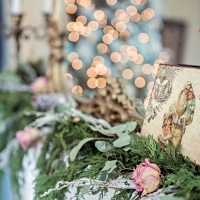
[(112, 34)]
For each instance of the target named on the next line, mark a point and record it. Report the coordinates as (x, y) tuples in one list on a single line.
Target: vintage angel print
[(173, 110)]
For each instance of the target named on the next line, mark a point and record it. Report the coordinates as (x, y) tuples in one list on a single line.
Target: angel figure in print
[(161, 91), (182, 111)]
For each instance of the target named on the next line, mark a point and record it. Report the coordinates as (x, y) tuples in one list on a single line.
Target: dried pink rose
[(39, 85), (27, 136), (146, 177)]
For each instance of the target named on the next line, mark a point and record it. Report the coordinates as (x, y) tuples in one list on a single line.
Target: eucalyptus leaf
[(122, 141), (85, 188), (131, 126), (110, 165), (103, 146), (127, 148), (105, 132), (118, 129), (103, 177), (77, 148)]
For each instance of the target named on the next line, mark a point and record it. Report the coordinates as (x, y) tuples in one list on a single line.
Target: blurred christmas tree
[(115, 38)]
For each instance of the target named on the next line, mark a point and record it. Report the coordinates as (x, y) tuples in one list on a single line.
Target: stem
[(121, 164), (73, 144), (127, 169), (104, 138)]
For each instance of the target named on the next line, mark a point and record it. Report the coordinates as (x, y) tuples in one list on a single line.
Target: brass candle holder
[(57, 66)]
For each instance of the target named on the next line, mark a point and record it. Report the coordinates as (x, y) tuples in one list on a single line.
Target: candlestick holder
[(56, 69), (17, 31)]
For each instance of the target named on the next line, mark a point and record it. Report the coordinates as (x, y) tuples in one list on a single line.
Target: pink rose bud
[(39, 85), (27, 136), (146, 177)]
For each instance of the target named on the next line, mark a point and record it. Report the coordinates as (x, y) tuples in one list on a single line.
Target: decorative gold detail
[(57, 66), (112, 104)]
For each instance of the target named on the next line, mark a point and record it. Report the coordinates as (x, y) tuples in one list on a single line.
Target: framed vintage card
[(173, 111)]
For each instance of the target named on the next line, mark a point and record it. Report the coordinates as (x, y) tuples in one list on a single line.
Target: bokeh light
[(107, 29), (131, 10), (73, 36), (91, 72), (147, 14), (108, 73), (149, 93), (120, 26), (139, 60), (102, 48), (91, 6), (81, 19), (101, 69), (119, 12), (99, 15), (101, 82), (146, 102), (93, 25), (84, 3), (124, 17), (150, 85), (124, 58), (77, 89), (115, 57), (114, 34), (131, 50), (140, 82), (107, 38), (111, 2), (143, 37), (127, 74), (87, 32), (70, 26), (77, 64), (72, 56), (143, 2), (124, 35), (92, 83), (68, 75), (164, 56), (71, 8), (123, 48), (136, 17), (135, 2), (147, 69), (98, 58)]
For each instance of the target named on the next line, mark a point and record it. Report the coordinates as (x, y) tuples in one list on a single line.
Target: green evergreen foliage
[(12, 107), (188, 183), (124, 195), (168, 160), (93, 155)]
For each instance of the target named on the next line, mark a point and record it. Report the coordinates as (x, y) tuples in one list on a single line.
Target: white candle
[(48, 6), (16, 7)]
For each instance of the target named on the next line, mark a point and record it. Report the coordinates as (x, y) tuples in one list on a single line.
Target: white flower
[(191, 107)]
